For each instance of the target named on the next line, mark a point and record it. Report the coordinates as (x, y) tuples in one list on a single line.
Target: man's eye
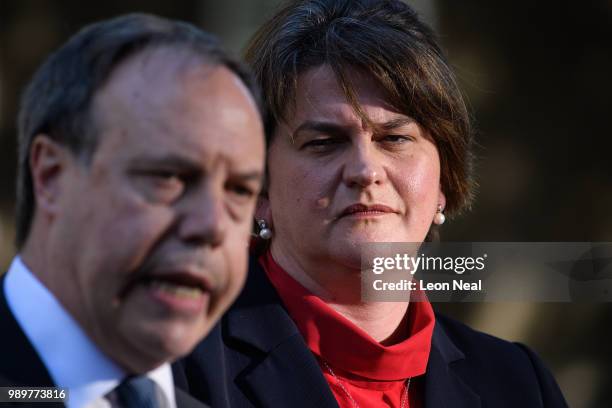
[(166, 180), (160, 186), (164, 175), (240, 190)]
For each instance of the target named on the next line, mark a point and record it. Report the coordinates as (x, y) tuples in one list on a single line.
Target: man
[(140, 159)]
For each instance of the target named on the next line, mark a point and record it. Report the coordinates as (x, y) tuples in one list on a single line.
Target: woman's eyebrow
[(328, 128), (338, 130), (395, 123)]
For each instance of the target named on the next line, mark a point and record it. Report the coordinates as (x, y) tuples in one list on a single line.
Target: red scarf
[(365, 371)]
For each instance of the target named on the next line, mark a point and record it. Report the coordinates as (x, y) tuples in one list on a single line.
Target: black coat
[(256, 357), (20, 365)]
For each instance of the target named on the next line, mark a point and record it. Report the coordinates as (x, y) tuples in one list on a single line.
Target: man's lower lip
[(178, 303)]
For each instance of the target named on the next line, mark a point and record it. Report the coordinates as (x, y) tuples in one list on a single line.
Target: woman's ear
[(441, 199), (262, 210), (260, 243)]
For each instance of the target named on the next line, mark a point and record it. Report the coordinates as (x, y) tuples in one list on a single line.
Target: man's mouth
[(182, 292)]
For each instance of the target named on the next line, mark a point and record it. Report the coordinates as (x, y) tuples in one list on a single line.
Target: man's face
[(154, 231)]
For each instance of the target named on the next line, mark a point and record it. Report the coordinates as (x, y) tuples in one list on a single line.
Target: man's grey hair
[(58, 99)]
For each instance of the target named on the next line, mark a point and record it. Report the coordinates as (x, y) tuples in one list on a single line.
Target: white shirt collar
[(72, 359)]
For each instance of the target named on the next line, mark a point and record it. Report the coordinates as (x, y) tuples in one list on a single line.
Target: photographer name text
[(410, 285)]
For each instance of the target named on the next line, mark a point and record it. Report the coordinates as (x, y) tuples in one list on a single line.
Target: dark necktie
[(137, 392)]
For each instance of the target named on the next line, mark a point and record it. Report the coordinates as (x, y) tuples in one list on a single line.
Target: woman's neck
[(384, 321), (341, 290)]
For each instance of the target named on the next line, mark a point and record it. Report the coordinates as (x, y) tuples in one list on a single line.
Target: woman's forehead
[(319, 96)]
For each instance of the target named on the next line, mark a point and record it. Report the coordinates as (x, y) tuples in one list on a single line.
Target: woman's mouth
[(366, 211)]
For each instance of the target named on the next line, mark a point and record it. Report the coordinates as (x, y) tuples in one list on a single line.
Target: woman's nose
[(363, 168)]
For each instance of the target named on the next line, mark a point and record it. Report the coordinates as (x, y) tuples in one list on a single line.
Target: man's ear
[(48, 163)]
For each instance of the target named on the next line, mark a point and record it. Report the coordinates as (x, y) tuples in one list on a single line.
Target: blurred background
[(537, 78)]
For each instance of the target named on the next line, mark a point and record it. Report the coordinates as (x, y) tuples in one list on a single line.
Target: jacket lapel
[(20, 364), (184, 400), (304, 387), (443, 387), (287, 374)]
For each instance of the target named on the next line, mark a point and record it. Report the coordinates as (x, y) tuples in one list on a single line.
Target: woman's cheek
[(422, 182)]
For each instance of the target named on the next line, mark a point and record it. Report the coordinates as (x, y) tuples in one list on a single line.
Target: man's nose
[(203, 219), (363, 167)]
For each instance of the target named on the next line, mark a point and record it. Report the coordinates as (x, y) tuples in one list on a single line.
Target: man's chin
[(156, 342), (162, 333)]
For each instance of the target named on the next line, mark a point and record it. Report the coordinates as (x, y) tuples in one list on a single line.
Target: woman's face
[(335, 183)]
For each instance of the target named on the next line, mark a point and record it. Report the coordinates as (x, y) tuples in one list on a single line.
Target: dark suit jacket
[(256, 357), (20, 365)]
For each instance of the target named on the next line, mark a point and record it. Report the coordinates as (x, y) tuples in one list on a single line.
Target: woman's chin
[(365, 236), (348, 251), (346, 246)]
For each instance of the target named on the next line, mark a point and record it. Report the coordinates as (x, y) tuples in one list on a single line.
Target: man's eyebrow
[(256, 176), (169, 160), (181, 162)]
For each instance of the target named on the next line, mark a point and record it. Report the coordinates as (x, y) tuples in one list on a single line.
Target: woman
[(369, 141)]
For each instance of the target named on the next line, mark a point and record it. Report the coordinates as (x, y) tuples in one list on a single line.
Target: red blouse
[(371, 374)]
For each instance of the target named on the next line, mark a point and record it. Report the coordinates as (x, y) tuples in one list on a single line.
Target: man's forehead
[(152, 73), (151, 78), (150, 82), (205, 153), (190, 160), (201, 126)]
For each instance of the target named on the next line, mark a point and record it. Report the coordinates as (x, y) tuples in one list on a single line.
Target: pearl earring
[(439, 218), (264, 231)]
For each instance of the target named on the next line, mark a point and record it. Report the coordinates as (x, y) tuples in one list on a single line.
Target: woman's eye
[(396, 139), (322, 143)]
